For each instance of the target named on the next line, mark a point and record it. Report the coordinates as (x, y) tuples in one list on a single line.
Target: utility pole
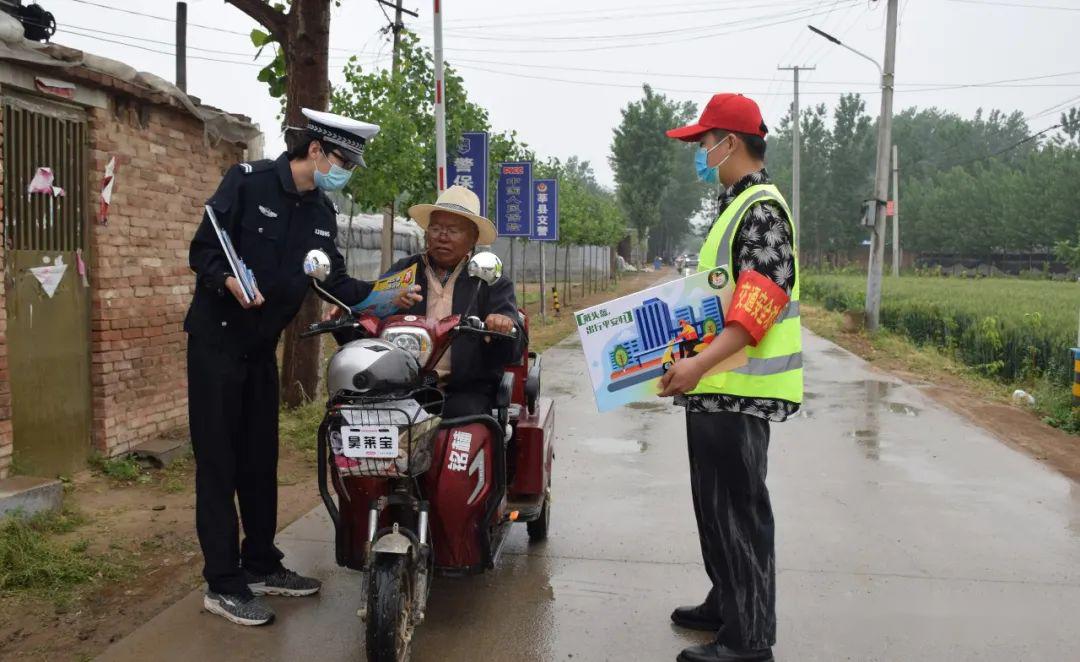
[(895, 211), (881, 173), (796, 149), (390, 211), (181, 46)]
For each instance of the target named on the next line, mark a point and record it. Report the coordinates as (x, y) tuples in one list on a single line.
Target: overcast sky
[(532, 64)]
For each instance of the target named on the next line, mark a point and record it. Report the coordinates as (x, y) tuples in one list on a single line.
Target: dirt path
[(149, 527)]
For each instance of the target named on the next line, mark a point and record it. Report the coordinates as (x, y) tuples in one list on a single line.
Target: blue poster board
[(469, 167), (545, 210), (514, 199)]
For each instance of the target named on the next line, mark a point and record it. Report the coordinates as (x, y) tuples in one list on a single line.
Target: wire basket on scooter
[(379, 437)]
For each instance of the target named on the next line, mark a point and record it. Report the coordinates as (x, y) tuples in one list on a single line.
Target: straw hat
[(462, 202)]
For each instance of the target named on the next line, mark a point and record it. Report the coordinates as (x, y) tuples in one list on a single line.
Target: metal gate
[(48, 336)]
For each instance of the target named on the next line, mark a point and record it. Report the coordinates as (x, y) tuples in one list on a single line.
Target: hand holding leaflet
[(249, 291), (388, 292)]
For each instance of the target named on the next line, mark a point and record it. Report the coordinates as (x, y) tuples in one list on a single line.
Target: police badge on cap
[(347, 134)]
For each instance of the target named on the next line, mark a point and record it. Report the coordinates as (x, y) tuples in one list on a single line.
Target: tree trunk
[(306, 44)]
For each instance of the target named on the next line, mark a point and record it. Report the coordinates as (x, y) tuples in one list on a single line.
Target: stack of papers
[(244, 275)]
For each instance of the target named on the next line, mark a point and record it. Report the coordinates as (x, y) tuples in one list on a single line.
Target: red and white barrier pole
[(440, 104)]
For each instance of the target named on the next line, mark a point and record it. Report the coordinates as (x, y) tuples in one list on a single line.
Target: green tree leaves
[(657, 186), (967, 186), (402, 156)]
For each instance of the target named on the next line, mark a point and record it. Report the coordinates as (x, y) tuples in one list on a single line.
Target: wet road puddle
[(901, 408), (648, 406), (614, 446), (559, 389)]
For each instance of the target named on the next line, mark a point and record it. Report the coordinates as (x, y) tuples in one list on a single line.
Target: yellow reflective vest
[(774, 369)]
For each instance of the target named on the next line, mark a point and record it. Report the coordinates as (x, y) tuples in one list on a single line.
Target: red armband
[(756, 304)]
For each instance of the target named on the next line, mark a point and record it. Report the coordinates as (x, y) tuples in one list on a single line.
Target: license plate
[(369, 442)]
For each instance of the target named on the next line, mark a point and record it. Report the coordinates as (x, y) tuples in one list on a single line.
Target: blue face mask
[(701, 162), (705, 172), (335, 179)]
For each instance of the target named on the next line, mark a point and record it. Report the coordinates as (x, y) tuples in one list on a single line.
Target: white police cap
[(344, 132)]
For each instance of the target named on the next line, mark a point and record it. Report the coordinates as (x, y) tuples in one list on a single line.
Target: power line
[(169, 53), (1053, 109), (1015, 4), (766, 93), (487, 35), (789, 19), (97, 37), (172, 20), (1002, 151), (168, 19), (589, 15), (926, 85), (93, 33)]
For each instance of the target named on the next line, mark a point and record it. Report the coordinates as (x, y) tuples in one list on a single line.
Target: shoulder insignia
[(249, 167)]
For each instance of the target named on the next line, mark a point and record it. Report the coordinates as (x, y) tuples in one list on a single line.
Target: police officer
[(728, 414), (274, 211)]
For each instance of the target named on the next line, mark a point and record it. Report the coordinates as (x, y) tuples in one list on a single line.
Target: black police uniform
[(232, 366)]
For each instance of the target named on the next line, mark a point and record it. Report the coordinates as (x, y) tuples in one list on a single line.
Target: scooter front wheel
[(389, 622)]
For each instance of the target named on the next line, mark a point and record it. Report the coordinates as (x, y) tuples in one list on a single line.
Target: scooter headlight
[(415, 341)]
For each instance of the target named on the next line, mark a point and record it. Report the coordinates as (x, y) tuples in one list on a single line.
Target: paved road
[(904, 533)]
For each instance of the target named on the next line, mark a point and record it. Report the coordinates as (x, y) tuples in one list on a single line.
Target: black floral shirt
[(764, 244)]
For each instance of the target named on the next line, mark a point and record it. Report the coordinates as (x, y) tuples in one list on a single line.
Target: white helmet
[(363, 365)]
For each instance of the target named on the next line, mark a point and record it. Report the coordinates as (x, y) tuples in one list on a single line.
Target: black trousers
[(728, 463), (233, 412)]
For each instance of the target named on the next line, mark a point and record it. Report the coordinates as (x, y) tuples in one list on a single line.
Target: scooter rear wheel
[(538, 528), (389, 623)]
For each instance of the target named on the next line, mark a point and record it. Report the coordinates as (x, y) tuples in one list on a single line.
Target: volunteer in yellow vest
[(728, 415)]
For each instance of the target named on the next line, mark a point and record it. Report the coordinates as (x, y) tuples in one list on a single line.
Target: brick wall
[(5, 384), (140, 281)]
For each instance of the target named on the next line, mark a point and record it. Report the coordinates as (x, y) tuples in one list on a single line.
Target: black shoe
[(697, 617), (720, 653), (240, 609), (282, 582)]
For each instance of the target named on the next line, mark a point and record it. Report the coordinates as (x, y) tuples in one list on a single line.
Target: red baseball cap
[(728, 112)]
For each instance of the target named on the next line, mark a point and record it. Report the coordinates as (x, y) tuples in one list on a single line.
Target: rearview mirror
[(486, 266), (317, 265)]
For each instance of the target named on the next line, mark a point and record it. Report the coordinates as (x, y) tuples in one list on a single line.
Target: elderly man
[(471, 370)]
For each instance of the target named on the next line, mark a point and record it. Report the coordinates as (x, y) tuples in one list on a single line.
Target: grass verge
[(896, 352), (37, 559)]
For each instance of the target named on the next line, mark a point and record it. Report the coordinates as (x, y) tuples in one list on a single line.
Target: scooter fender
[(460, 485), (392, 543)]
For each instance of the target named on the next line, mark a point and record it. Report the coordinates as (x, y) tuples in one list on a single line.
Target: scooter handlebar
[(329, 326), (473, 324)]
